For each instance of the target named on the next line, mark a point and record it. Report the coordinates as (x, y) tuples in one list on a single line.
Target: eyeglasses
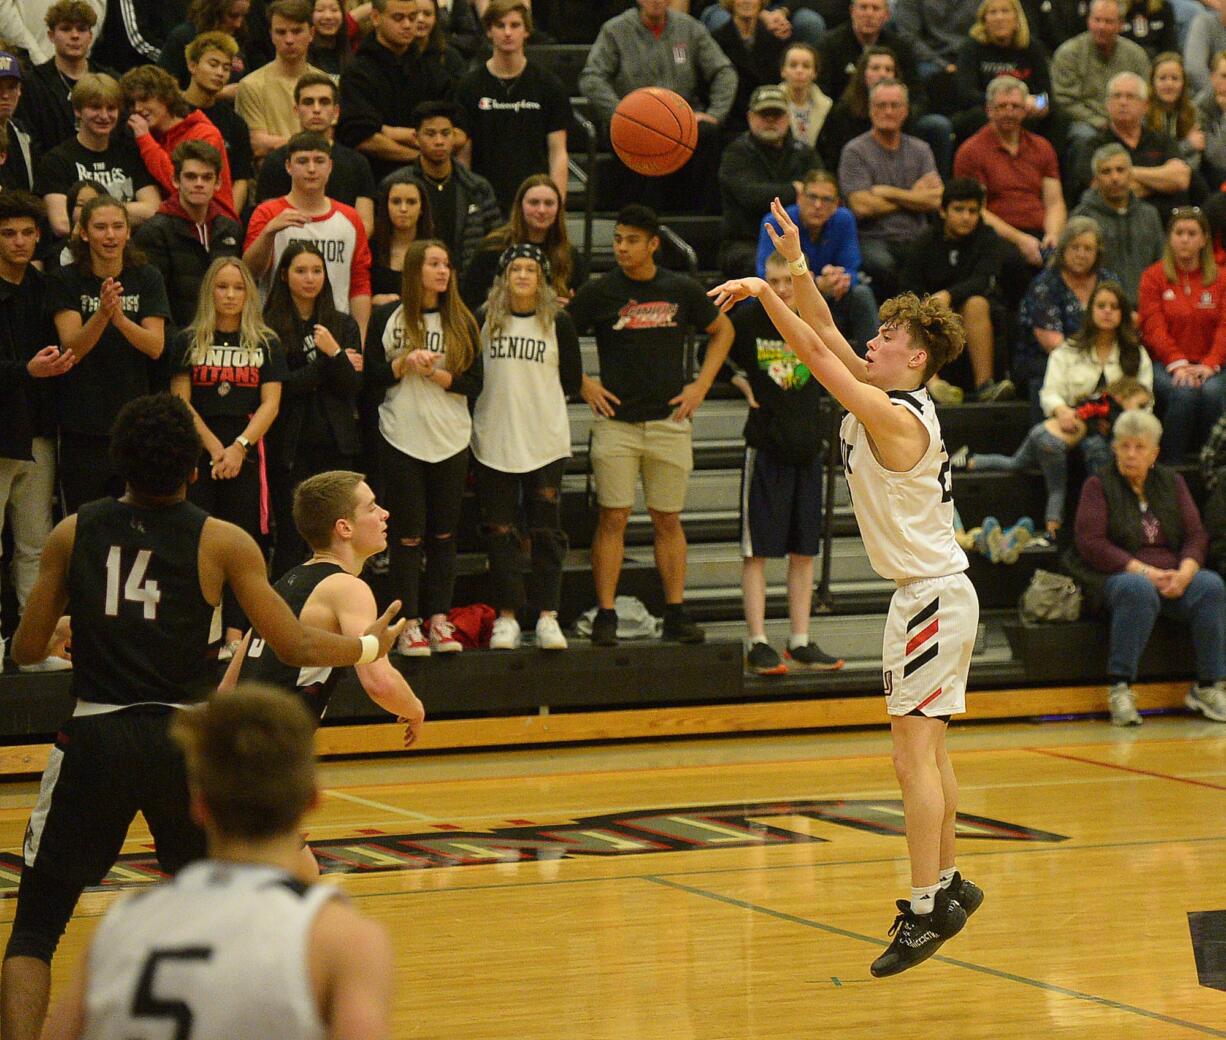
[(1185, 211), (821, 200)]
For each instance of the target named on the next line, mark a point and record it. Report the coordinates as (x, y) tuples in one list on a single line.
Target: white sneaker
[(442, 638), (227, 650), (505, 635), (1123, 705), (411, 643), (549, 633), (48, 664), (1210, 701)]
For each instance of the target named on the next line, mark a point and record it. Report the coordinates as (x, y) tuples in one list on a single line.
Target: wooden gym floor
[(739, 888)]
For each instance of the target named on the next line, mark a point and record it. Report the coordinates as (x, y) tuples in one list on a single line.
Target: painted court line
[(370, 803), (1130, 769), (1046, 987)]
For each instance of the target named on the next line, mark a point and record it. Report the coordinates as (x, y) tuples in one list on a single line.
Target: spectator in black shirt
[(764, 162), (538, 216), (46, 105), (16, 160), (432, 41), (516, 112), (350, 182), (868, 27), (643, 404), (190, 230), (402, 216), (210, 59), (27, 432), (755, 52), (959, 264), (133, 33), (463, 203), (206, 16), (98, 152), (315, 428), (387, 79), (332, 47), (110, 310), (228, 368)]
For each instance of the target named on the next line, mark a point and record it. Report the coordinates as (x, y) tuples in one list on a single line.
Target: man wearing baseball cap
[(764, 162), (16, 165)]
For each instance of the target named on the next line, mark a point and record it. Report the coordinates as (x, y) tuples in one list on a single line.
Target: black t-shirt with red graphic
[(640, 336), (226, 381)]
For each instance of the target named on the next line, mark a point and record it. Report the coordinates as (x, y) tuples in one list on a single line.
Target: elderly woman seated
[(1140, 545)]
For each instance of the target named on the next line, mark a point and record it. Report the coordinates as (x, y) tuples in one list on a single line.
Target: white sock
[(795, 640), (755, 639), (947, 876), (922, 898)]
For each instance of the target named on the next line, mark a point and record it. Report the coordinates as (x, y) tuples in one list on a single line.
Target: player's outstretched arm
[(352, 957), (869, 404), (351, 600), (36, 635), (235, 667), (241, 564), (810, 302)]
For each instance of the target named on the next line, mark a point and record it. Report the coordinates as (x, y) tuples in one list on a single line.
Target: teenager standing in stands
[(228, 367), (532, 362), (110, 310), (424, 351), (316, 428), (402, 216)]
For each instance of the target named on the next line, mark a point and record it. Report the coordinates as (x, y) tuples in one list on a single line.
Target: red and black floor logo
[(628, 833)]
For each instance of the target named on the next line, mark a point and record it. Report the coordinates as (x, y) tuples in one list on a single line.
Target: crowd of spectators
[(339, 229)]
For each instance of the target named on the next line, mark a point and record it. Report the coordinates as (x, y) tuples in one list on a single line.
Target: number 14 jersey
[(141, 627), (906, 519)]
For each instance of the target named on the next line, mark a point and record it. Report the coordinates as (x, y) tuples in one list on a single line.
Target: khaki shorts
[(662, 450)]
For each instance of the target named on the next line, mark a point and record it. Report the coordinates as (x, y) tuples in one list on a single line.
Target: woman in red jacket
[(1183, 324), (161, 119)]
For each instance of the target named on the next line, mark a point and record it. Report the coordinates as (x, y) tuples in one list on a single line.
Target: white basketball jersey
[(219, 953), (906, 519)]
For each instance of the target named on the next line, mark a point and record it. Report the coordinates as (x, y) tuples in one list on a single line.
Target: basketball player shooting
[(236, 946), (144, 575), (898, 471)]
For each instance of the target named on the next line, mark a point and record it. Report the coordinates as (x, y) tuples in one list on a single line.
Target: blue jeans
[(1049, 455), (1187, 413), (1135, 604), (807, 26)]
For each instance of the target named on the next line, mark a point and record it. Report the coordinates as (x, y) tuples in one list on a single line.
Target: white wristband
[(799, 267), (370, 650)]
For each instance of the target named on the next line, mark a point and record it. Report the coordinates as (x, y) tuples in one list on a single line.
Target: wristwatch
[(242, 442)]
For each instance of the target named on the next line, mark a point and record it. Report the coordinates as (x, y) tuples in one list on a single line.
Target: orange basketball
[(654, 131)]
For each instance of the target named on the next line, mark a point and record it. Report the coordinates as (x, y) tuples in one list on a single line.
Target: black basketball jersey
[(141, 627), (313, 684)]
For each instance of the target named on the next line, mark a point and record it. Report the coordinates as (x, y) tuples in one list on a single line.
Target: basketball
[(654, 131)]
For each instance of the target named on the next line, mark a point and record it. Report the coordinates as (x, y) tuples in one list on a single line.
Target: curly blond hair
[(933, 327)]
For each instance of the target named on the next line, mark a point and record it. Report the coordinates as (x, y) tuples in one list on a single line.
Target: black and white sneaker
[(763, 659), (965, 893), (917, 937), (812, 656)]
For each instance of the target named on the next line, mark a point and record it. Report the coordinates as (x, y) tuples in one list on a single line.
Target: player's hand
[(787, 239), (325, 341), (687, 402), (727, 294), (413, 723), (600, 399), (50, 362), (383, 629)]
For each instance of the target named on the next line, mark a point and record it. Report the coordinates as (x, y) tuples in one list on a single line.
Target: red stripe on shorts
[(929, 699), (924, 636)]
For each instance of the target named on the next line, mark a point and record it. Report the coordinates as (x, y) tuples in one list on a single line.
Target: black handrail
[(832, 415)]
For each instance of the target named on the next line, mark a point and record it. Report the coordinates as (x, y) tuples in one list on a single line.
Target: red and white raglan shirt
[(338, 233)]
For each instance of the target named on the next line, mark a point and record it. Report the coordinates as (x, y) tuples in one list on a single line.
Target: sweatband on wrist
[(370, 650), (799, 267)]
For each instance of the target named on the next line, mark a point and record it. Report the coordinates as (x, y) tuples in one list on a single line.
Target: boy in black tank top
[(144, 574), (338, 517)]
